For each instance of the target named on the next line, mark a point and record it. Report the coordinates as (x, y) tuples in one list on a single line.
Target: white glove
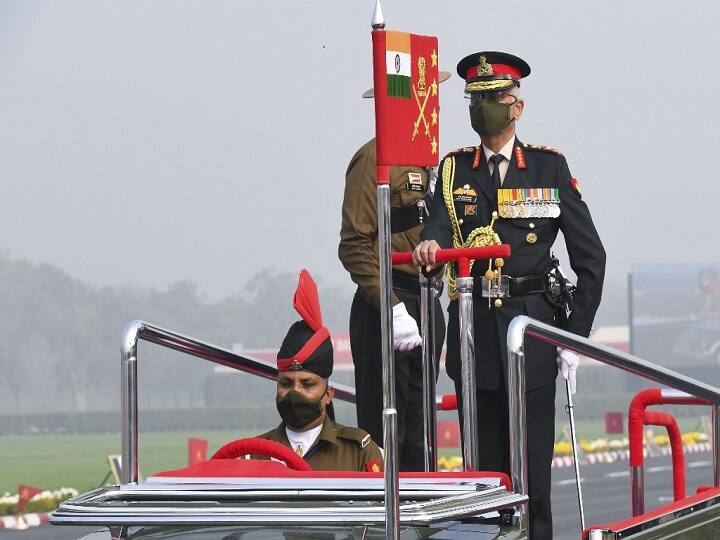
[(406, 335), (568, 362)]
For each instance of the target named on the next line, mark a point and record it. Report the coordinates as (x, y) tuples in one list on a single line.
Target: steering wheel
[(262, 447)]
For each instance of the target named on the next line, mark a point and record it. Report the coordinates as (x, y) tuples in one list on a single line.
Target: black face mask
[(297, 410), (489, 117)]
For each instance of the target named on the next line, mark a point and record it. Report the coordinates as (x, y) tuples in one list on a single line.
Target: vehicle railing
[(463, 258), (524, 327), (638, 418), (140, 330)]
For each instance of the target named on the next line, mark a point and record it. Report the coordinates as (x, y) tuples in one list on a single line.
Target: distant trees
[(59, 337)]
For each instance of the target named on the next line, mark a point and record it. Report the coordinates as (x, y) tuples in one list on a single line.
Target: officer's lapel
[(484, 181), (516, 174)]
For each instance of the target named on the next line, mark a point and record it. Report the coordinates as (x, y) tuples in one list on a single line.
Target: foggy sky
[(149, 142)]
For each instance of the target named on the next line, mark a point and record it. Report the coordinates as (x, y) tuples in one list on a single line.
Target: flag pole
[(389, 414)]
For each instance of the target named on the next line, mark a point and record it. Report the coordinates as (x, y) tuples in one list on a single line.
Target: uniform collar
[(506, 151), (327, 433)]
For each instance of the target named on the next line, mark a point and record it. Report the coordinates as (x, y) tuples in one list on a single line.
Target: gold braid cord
[(479, 237)]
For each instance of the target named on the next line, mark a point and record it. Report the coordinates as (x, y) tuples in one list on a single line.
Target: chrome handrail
[(140, 330), (523, 326)]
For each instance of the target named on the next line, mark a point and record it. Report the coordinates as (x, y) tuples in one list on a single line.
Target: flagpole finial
[(378, 21)]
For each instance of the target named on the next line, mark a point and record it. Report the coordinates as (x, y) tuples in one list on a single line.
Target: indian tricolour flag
[(398, 63), (406, 85)]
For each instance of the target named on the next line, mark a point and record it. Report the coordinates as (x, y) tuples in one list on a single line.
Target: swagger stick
[(390, 421), (570, 408)]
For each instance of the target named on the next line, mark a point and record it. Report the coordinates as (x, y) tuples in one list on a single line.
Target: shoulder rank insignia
[(576, 186), (366, 440), (542, 148), (373, 465), (463, 150)]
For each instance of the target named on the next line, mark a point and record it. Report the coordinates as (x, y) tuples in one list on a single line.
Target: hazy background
[(149, 142), (159, 159)]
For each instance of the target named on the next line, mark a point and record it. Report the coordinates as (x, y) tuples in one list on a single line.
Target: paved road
[(606, 490), (606, 493)]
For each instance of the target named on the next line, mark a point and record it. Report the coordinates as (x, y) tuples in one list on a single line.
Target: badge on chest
[(529, 203), (465, 194), (414, 182)]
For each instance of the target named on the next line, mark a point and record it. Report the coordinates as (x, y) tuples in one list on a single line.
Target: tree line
[(60, 336)]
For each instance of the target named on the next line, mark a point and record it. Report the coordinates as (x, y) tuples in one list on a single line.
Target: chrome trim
[(688, 511), (135, 331), (637, 490), (523, 326), (79, 511), (389, 414), (427, 330), (470, 435), (328, 484)]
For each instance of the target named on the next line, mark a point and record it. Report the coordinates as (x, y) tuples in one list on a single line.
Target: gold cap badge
[(484, 69)]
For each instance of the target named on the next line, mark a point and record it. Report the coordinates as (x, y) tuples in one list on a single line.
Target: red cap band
[(311, 345), (498, 69)]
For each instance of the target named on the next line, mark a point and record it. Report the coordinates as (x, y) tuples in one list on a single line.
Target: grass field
[(80, 461)]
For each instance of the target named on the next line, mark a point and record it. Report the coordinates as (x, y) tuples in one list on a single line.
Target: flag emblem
[(407, 105), (397, 61)]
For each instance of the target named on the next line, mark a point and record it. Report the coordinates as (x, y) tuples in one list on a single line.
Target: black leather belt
[(408, 217), (518, 286), (405, 282)]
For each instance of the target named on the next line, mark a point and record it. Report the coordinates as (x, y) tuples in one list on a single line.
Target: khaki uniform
[(358, 249), (338, 448), (358, 252)]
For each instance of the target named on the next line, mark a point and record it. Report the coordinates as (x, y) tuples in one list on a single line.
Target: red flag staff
[(405, 76)]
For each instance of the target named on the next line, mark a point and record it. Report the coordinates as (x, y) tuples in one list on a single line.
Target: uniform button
[(531, 225), (531, 238), (460, 221)]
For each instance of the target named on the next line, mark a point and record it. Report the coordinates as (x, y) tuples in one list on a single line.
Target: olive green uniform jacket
[(358, 249), (338, 448)]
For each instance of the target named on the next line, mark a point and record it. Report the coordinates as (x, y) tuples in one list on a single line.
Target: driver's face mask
[(298, 410)]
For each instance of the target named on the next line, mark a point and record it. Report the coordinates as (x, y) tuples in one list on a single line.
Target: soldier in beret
[(304, 396), (525, 194), (358, 252)]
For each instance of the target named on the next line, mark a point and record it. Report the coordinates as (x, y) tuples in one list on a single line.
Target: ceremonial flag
[(448, 434), (25, 493), (614, 424), (407, 101), (197, 451)]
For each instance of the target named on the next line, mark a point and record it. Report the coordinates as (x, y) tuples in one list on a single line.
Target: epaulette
[(463, 150), (542, 148), (354, 434)]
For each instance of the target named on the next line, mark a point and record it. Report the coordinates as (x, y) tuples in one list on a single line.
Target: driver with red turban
[(304, 396)]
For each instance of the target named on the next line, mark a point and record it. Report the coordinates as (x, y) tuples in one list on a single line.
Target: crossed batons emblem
[(423, 91)]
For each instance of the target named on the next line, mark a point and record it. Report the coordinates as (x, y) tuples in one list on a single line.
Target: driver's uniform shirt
[(337, 448)]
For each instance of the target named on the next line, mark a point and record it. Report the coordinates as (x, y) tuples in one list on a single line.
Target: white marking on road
[(617, 474), (696, 464), (665, 499), (568, 482), (659, 468)]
